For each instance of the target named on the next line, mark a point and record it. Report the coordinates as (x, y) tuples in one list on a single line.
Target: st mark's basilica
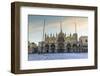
[(60, 43)]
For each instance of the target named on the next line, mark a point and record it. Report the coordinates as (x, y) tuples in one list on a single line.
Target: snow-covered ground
[(54, 56)]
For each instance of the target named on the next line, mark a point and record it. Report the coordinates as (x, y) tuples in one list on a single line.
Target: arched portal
[(61, 47), (74, 47), (68, 47), (47, 48), (52, 48)]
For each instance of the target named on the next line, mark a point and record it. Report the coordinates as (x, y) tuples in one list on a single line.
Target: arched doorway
[(52, 48), (46, 48), (79, 48), (61, 47), (68, 47), (74, 48)]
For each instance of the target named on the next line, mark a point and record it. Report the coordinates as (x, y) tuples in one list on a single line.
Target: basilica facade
[(60, 43)]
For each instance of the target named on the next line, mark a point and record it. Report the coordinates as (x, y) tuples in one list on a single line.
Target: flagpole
[(43, 30), (60, 25)]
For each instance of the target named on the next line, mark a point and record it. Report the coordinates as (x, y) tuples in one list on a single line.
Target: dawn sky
[(52, 25)]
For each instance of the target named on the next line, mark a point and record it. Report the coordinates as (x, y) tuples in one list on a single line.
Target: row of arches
[(61, 48)]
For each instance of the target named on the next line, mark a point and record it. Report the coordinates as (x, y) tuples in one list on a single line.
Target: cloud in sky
[(52, 25)]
